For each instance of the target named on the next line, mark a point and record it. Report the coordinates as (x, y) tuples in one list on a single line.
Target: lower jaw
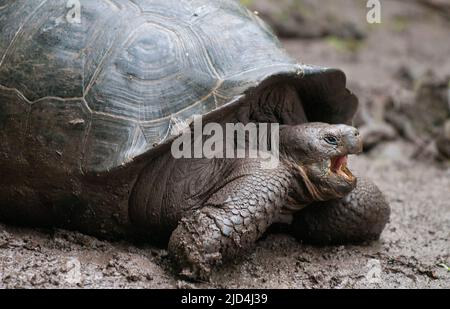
[(345, 173)]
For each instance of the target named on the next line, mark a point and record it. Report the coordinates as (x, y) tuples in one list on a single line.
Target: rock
[(306, 19), (443, 141), (420, 118), (440, 6), (371, 122), (377, 133)]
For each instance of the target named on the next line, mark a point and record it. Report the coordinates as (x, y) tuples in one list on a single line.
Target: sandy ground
[(408, 255)]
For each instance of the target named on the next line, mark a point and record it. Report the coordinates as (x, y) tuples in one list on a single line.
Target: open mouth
[(339, 166)]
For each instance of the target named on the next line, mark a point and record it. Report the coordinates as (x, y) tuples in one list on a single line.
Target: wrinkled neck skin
[(168, 188)]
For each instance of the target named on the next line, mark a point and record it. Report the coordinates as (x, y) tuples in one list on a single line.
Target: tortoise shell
[(99, 82)]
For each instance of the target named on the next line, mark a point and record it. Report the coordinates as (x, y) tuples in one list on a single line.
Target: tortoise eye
[(331, 140)]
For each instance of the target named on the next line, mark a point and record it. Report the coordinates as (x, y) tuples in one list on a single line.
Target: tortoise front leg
[(231, 221), (361, 216)]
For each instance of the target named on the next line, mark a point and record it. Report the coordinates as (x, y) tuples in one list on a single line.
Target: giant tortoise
[(94, 92)]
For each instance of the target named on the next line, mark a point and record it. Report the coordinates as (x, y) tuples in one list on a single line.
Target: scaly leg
[(233, 218)]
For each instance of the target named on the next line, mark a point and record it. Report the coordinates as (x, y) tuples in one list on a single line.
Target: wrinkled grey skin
[(229, 204)]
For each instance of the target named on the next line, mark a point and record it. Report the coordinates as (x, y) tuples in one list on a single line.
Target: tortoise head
[(318, 154)]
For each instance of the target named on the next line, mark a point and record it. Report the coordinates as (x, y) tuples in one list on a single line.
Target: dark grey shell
[(99, 93)]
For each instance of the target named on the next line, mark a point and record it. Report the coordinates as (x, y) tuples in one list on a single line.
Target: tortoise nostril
[(357, 133)]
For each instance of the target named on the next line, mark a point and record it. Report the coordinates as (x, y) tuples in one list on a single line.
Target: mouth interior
[(339, 166)]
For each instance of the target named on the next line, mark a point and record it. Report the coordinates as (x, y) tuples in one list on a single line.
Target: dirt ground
[(414, 245)]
